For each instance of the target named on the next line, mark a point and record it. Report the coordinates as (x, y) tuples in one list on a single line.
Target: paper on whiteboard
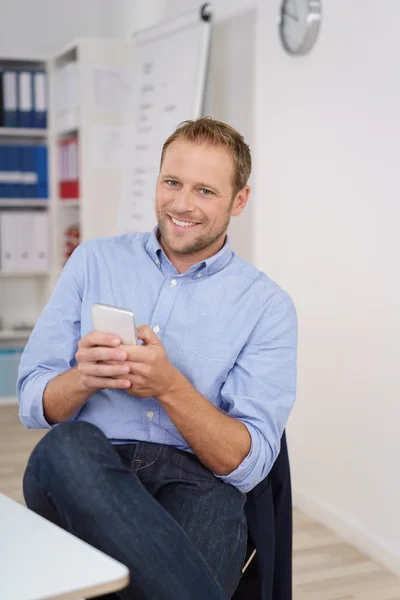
[(107, 146), (112, 88)]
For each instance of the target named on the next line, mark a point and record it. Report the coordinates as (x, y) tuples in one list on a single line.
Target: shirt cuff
[(31, 402), (250, 471)]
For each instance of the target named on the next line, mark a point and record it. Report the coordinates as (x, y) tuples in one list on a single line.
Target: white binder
[(40, 253), (40, 91), (23, 225), (25, 97), (10, 97), (9, 242)]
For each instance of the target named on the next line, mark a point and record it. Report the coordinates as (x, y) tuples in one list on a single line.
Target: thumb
[(148, 336)]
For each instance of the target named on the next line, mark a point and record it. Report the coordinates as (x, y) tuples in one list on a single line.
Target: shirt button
[(157, 262), (156, 329), (198, 275), (173, 282), (149, 415)]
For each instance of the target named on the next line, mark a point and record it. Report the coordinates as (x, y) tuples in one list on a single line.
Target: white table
[(40, 560)]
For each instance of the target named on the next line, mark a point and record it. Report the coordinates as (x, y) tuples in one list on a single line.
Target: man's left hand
[(151, 373)]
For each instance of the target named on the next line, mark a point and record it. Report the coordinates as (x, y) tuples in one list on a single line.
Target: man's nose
[(183, 201)]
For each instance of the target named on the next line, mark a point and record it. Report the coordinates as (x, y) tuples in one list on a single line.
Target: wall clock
[(300, 24)]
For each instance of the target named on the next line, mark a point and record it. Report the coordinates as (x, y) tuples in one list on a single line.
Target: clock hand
[(292, 16)]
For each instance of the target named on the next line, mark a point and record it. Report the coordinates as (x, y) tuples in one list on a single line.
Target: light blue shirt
[(225, 325)]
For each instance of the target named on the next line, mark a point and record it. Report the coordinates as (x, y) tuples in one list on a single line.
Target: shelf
[(11, 334), (67, 131), (23, 132), (23, 274), (70, 203), (23, 203)]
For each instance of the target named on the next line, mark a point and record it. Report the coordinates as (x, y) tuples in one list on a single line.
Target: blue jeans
[(180, 530)]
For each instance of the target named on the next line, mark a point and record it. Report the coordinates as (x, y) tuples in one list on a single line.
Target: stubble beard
[(200, 243)]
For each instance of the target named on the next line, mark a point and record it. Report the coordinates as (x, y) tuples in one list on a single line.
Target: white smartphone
[(117, 321)]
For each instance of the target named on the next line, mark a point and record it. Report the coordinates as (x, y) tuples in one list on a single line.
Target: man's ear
[(240, 201)]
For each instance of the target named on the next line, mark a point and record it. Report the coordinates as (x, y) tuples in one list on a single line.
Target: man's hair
[(216, 133)]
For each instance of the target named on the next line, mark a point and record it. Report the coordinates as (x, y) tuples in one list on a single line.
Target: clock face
[(300, 23)]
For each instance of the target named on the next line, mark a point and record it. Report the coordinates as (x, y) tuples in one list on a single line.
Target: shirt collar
[(207, 267)]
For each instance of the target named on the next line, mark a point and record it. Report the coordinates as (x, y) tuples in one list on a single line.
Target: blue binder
[(41, 170), (2, 171), (10, 98), (30, 158), (1, 101), (13, 169), (39, 85), (22, 170), (25, 99), (26, 160)]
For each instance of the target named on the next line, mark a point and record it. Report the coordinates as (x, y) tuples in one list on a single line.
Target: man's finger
[(96, 338), (136, 354), (148, 336)]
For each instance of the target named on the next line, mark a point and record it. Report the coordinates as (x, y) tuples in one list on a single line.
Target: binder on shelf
[(9, 174), (24, 241), (13, 186), (25, 99), (41, 172), (3, 176), (22, 165), (68, 168), (40, 99), (1, 101), (40, 258), (8, 242), (28, 179), (10, 98)]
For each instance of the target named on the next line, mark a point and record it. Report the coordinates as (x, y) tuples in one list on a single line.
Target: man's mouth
[(182, 224)]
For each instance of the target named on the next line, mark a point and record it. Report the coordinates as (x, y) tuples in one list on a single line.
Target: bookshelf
[(23, 293), (96, 79), (98, 102), (20, 132)]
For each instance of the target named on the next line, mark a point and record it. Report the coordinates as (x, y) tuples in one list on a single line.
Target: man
[(157, 444)]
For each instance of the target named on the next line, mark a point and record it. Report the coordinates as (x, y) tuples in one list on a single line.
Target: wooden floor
[(325, 566)]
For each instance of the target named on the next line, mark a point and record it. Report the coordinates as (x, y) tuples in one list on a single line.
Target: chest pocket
[(206, 363)]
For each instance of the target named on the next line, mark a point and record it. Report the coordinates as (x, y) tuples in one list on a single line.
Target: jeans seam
[(242, 522)]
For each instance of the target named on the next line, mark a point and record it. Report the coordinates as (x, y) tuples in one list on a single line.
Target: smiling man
[(152, 448)]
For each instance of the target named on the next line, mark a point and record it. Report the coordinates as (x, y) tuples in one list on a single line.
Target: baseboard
[(8, 401), (351, 531)]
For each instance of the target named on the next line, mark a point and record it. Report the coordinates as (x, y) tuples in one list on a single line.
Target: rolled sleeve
[(243, 477), (261, 388), (31, 413), (53, 343)]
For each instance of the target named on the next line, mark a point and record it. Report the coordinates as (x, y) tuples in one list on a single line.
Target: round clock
[(300, 24)]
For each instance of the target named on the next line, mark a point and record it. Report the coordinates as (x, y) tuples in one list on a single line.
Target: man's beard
[(198, 244)]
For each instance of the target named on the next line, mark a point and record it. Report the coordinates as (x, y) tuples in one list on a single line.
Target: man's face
[(194, 196)]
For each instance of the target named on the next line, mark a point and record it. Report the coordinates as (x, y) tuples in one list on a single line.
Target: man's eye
[(206, 192), (171, 182)]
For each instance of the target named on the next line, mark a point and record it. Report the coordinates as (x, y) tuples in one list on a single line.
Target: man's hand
[(151, 373), (94, 351)]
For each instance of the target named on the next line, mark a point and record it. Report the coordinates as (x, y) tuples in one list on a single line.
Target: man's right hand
[(101, 362)]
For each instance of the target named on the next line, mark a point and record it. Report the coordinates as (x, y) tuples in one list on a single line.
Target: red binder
[(68, 151)]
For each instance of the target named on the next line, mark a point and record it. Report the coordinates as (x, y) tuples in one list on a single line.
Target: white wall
[(325, 133), (36, 27), (327, 216)]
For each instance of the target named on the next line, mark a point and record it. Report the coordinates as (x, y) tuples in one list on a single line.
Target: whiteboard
[(169, 84)]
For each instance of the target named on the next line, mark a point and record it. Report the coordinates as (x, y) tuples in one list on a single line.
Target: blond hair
[(216, 133)]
